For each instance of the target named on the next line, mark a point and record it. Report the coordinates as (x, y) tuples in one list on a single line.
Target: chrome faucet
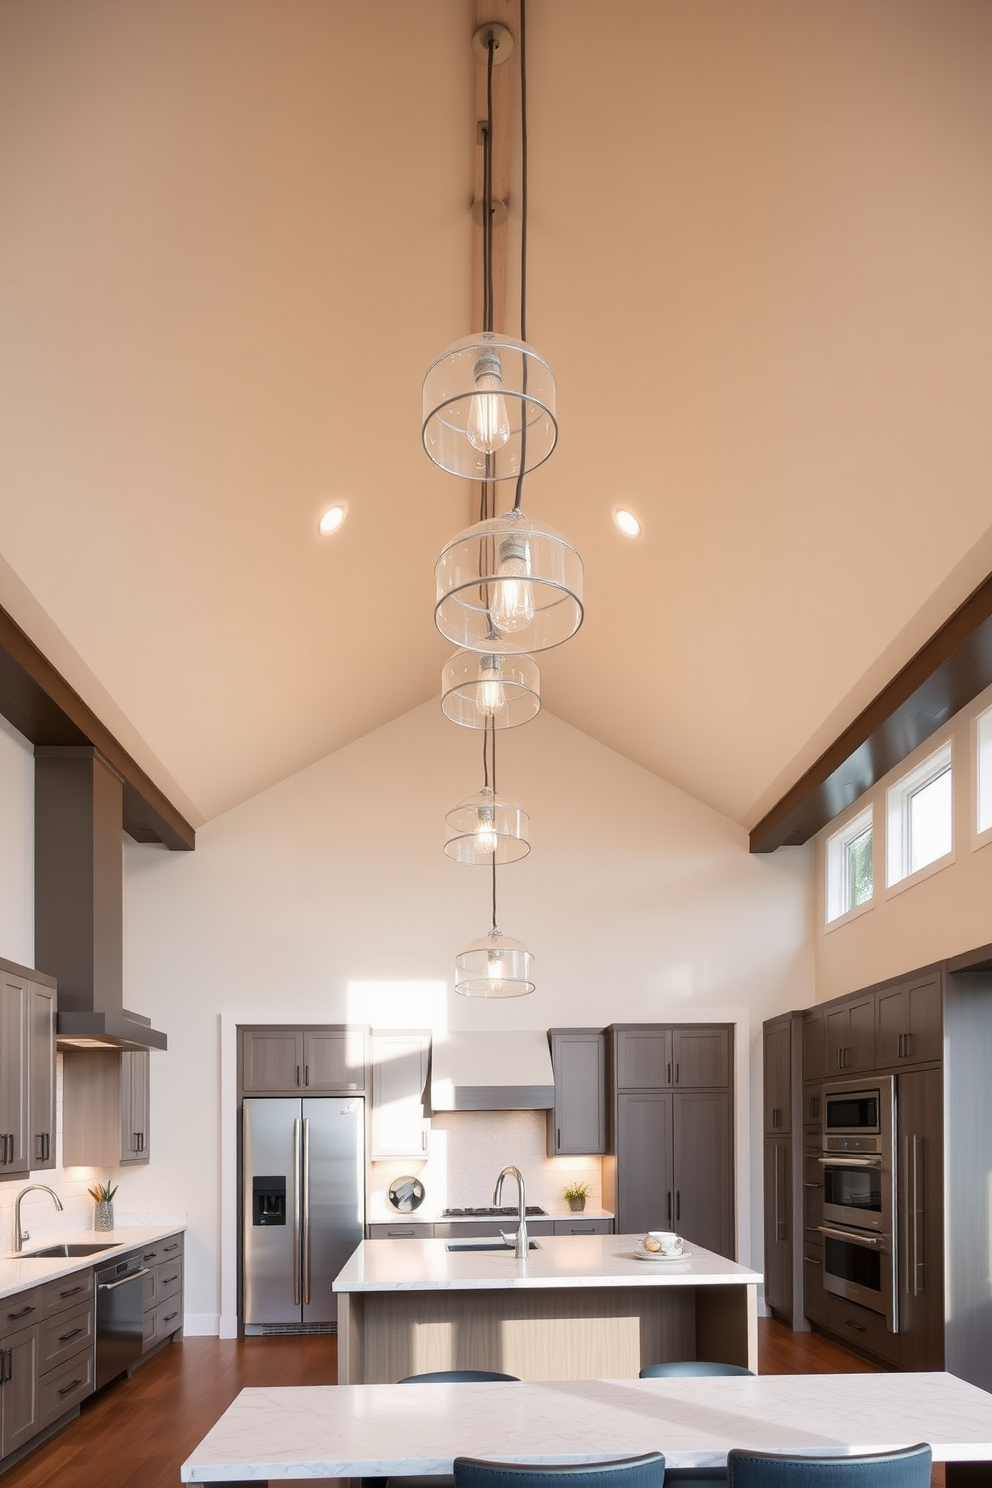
[(21, 1235), (523, 1243)]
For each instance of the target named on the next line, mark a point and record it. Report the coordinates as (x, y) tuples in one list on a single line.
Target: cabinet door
[(702, 1148), (272, 1062), (778, 1075), (851, 1037), (578, 1122), (334, 1059), (909, 1026), (645, 1187), (13, 1076), (643, 1058), (135, 1069), (778, 1242), (920, 1238), (814, 1046), (41, 1064), (399, 1075), (20, 1409), (701, 1057)]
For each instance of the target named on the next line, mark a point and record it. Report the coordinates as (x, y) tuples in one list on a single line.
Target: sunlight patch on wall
[(399, 1005)]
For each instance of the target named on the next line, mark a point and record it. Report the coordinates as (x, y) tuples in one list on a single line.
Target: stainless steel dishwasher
[(119, 1316)]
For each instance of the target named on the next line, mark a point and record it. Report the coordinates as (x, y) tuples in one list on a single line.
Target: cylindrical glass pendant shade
[(481, 690), (494, 966), (480, 396), (484, 827), (508, 585)]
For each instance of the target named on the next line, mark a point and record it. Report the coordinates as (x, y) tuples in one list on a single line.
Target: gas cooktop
[(506, 1212)]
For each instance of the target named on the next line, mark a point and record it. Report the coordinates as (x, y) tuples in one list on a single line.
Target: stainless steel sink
[(76, 1248), (484, 1244)]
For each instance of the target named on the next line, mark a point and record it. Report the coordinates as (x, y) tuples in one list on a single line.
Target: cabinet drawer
[(67, 1291), (169, 1316), (66, 1334), (20, 1310), (583, 1227), (861, 1327), (421, 1231), (493, 1228), (169, 1280), (62, 1388)]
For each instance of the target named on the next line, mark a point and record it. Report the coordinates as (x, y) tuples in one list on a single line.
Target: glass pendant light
[(486, 829), (494, 966), (483, 689), (508, 585), (489, 408)]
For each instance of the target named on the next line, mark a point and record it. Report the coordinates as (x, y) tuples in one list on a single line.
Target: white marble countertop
[(381, 1216), (558, 1261), (352, 1431), (18, 1272)]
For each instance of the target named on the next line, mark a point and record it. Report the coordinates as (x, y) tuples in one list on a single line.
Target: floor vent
[(282, 1330)]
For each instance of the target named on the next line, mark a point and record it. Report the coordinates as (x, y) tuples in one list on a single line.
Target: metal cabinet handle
[(167, 1248), (870, 1242), (170, 1317), (13, 1316), (6, 1364), (168, 1280), (73, 1385), (70, 1293), (73, 1333), (306, 1074), (297, 1074), (669, 1206), (678, 1205)]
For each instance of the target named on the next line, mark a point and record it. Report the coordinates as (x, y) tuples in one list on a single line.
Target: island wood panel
[(541, 1334)]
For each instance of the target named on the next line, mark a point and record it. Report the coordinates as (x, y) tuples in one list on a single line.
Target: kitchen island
[(578, 1307)]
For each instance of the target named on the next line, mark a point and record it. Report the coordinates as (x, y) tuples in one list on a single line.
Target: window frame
[(898, 835), (980, 836), (836, 861)]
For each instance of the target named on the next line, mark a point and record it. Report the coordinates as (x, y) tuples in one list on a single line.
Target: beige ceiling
[(234, 234)]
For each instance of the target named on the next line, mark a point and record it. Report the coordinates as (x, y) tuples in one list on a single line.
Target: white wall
[(328, 898), (941, 915), (17, 837)]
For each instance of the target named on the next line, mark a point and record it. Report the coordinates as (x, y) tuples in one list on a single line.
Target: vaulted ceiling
[(235, 235)]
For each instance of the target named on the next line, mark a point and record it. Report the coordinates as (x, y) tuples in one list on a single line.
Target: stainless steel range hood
[(492, 1072), (78, 898)]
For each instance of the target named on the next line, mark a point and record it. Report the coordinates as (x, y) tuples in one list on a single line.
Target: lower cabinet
[(778, 1225), (46, 1356), (424, 1230), (583, 1226), (20, 1411), (419, 1230), (162, 1292)]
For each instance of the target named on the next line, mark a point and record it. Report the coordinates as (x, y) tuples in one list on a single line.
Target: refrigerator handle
[(296, 1212), (306, 1209)]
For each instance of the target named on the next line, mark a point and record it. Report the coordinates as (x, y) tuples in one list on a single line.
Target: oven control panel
[(851, 1144)]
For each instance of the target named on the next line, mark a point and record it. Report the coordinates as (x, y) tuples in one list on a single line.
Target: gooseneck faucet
[(523, 1243), (21, 1235)]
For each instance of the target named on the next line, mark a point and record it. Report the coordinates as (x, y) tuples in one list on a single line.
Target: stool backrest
[(456, 1376), (679, 1367), (647, 1471), (908, 1468)]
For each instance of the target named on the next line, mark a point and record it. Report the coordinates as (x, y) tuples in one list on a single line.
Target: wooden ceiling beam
[(944, 676), (37, 701)]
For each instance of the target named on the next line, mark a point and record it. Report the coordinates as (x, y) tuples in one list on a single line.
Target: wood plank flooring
[(138, 1432)]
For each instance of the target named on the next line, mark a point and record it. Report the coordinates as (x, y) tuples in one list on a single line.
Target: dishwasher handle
[(111, 1286)]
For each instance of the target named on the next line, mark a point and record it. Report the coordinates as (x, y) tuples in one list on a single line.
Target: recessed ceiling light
[(627, 522), (332, 518)]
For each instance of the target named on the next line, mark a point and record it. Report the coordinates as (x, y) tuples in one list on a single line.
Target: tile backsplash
[(468, 1148)]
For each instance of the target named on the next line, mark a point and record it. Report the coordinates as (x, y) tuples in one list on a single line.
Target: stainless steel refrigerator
[(303, 1208)]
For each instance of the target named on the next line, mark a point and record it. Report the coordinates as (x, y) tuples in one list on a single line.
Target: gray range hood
[(492, 1072), (78, 898)]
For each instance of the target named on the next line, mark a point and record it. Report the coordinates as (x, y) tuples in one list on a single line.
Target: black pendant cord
[(488, 308), (485, 754), (523, 246)]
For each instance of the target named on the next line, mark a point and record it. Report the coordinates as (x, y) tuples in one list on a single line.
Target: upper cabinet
[(577, 1125), (285, 1060), (105, 1107), (686, 1056), (135, 1098), (27, 1071), (909, 1022), (851, 1037), (400, 1069), (778, 1075)]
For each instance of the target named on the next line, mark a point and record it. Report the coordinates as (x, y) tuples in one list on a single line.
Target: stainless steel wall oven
[(859, 1193)]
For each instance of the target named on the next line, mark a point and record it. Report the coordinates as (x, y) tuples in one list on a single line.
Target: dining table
[(393, 1430)]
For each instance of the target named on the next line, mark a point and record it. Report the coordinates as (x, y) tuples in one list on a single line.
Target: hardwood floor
[(138, 1432)]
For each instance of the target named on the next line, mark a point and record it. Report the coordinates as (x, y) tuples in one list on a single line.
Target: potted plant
[(576, 1194), (103, 1212)]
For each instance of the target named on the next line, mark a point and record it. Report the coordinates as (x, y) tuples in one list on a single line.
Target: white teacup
[(671, 1244)]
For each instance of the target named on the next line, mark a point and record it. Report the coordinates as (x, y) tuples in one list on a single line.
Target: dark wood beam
[(40, 704), (944, 676)]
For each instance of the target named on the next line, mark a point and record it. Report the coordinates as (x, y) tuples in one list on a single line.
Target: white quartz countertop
[(379, 1216), (558, 1261), (18, 1272), (353, 1431)]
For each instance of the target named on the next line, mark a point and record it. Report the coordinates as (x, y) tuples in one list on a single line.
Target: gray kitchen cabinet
[(777, 1043), (492, 1229), (920, 1181), (135, 1077), (850, 1036), (701, 1057), (41, 1076), (578, 1226), (400, 1061), (105, 1107), (814, 1044), (778, 1236), (418, 1230), (162, 1292), (782, 1043), (577, 1125), (282, 1059), (14, 1075), (909, 1025), (642, 1057), (20, 1405), (645, 1183)]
